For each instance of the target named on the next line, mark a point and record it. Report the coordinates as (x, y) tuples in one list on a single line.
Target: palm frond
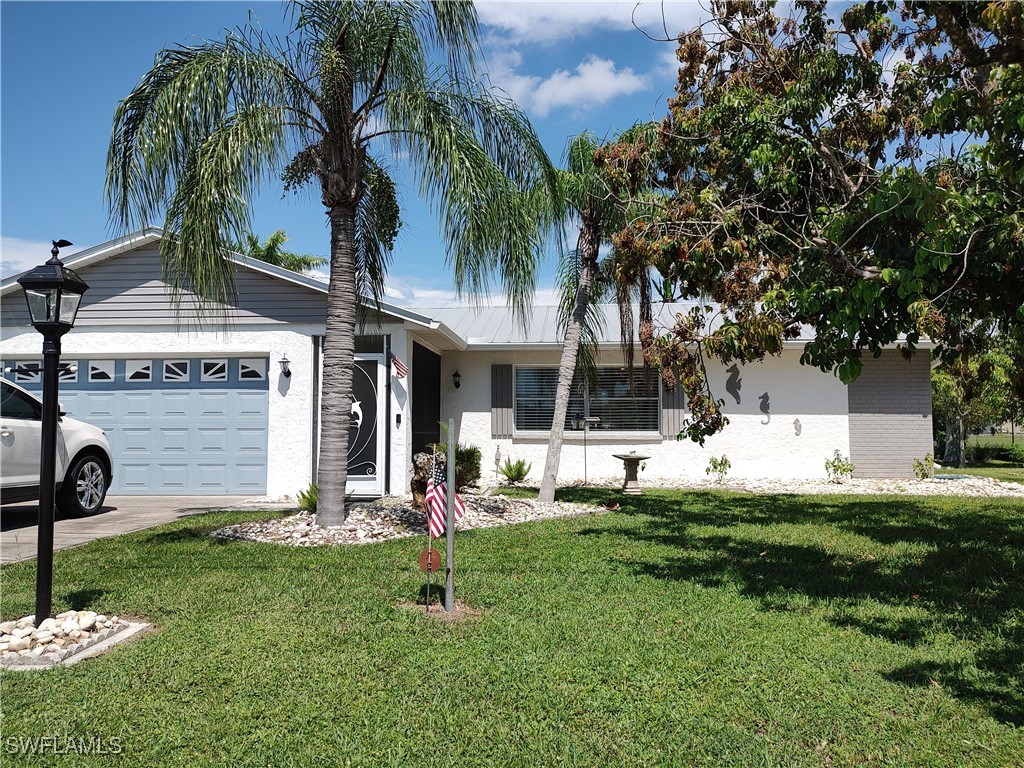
[(567, 280), (378, 220), (201, 131), (479, 163)]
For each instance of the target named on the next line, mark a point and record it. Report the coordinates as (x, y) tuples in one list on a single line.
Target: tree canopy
[(272, 251), (862, 175), (353, 85)]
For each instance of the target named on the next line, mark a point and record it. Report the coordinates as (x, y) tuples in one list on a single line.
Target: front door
[(366, 428)]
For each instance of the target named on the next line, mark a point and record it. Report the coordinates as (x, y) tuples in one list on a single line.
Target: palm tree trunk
[(339, 358), (587, 246)]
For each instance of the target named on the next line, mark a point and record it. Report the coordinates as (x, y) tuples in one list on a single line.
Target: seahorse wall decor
[(764, 408), (797, 427), (733, 383)]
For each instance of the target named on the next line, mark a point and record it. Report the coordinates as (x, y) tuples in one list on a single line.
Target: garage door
[(176, 426)]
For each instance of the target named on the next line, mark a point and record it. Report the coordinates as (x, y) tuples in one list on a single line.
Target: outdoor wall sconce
[(286, 371), (457, 379)]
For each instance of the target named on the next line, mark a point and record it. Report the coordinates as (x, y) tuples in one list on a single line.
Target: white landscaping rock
[(55, 638), (392, 517)]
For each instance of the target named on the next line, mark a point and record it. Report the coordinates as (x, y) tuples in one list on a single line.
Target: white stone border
[(99, 643)]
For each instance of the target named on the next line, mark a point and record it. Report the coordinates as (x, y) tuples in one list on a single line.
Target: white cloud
[(546, 21), (17, 255), (595, 82)]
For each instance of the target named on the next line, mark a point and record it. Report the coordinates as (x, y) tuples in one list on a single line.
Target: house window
[(252, 369), (138, 370), (101, 370), (608, 398), (214, 370), (176, 370)]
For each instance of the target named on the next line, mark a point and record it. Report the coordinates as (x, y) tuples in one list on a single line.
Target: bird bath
[(631, 461)]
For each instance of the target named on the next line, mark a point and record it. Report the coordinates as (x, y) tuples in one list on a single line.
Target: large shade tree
[(212, 123), (857, 173)]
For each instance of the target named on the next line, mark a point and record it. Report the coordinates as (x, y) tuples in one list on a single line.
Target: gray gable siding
[(128, 290)]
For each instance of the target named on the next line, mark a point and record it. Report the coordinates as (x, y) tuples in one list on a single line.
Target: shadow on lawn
[(954, 567)]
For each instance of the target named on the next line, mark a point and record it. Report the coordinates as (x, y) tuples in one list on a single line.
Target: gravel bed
[(966, 486), (393, 517)]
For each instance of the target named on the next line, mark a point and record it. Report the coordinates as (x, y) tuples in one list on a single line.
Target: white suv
[(84, 465)]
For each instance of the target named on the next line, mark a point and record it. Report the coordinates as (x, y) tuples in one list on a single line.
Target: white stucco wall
[(290, 407), (755, 450), (400, 435)]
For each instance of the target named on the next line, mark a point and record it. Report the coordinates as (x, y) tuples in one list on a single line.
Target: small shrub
[(924, 469), (839, 468), (982, 453), (1015, 452), (515, 471), (307, 499), (467, 463), (719, 467)]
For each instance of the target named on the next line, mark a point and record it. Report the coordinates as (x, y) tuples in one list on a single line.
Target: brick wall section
[(891, 415)]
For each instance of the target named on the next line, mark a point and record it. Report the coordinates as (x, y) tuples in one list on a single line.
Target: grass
[(999, 438), (688, 629), (1000, 470)]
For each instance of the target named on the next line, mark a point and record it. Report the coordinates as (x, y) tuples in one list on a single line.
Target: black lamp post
[(53, 293)]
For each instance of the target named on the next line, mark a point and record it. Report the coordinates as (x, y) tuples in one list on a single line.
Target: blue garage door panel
[(175, 432), (204, 442)]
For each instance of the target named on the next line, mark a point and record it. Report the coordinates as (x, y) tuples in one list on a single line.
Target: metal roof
[(496, 325)]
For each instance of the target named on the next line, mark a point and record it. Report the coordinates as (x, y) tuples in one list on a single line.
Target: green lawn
[(1000, 470), (1000, 438), (687, 629)]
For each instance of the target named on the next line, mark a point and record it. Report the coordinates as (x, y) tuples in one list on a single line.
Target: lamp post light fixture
[(285, 364), (53, 294), (457, 379)]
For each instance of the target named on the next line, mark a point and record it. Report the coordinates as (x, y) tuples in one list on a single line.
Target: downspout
[(387, 414), (315, 438)]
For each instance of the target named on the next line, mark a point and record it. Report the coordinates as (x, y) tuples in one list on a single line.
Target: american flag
[(401, 371), (437, 500)]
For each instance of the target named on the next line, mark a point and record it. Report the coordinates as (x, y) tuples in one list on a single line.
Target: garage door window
[(101, 370), (176, 370), (29, 373), (215, 370), (138, 370), (253, 369)]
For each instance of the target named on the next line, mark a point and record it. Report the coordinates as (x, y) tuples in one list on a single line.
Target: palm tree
[(586, 194), (272, 251), (209, 124)]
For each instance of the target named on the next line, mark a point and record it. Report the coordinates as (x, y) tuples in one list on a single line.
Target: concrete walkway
[(122, 514)]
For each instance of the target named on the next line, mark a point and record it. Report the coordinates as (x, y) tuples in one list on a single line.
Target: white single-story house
[(207, 407)]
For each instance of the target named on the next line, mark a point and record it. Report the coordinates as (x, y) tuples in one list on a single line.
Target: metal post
[(47, 473), (586, 429), (449, 539)]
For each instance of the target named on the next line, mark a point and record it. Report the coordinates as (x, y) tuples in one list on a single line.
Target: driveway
[(121, 514)]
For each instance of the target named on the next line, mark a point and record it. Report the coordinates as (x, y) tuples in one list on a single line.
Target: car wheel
[(84, 487)]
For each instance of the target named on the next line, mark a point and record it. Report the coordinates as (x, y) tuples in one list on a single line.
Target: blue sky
[(572, 66)]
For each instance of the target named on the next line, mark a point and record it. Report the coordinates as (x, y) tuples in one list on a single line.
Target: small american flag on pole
[(401, 371), (437, 500)]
